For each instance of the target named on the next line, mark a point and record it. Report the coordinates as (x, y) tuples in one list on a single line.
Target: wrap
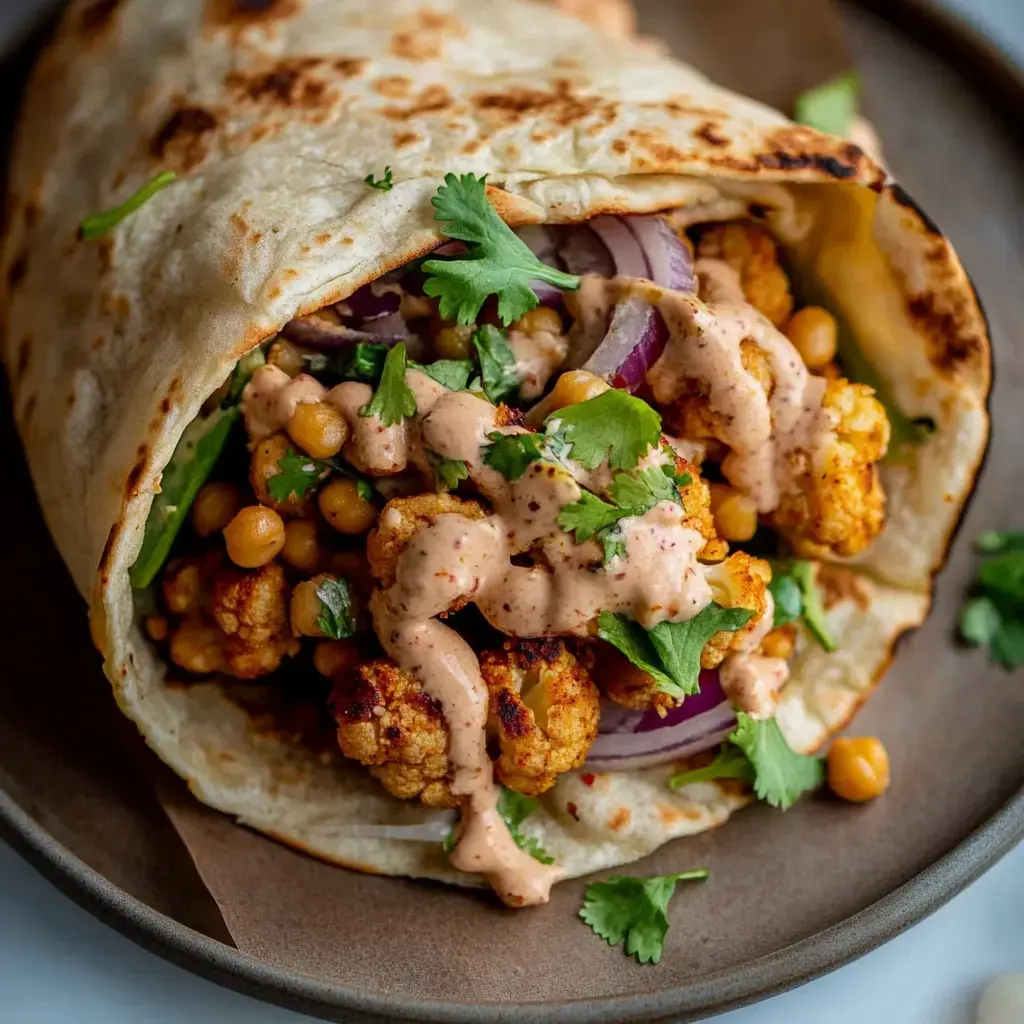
[(272, 115)]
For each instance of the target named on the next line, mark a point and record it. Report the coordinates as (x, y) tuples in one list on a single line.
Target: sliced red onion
[(641, 739), (583, 252), (371, 303), (644, 247), (393, 326), (668, 258), (541, 242), (314, 332)]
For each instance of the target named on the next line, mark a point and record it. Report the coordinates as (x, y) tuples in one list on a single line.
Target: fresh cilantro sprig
[(512, 454), (448, 472), (757, 752), (452, 374), (670, 652), (796, 595), (98, 224), (393, 401), (384, 184), (781, 775), (633, 911), (614, 426), (514, 809), (497, 261), (297, 474), (633, 495), (498, 375), (831, 106), (336, 618), (729, 763), (994, 614)]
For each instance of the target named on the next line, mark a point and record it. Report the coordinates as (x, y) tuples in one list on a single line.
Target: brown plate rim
[(994, 74)]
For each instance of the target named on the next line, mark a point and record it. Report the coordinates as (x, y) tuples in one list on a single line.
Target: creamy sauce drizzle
[(537, 357), (659, 579)]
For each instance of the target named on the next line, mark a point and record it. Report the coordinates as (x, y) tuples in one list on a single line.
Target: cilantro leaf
[(613, 541), (498, 373), (980, 621), (644, 490), (788, 599), (679, 644), (635, 643), (448, 471), (363, 361), (796, 595), (452, 374), (831, 106), (384, 184), (994, 615), (336, 617), (392, 401), (729, 763), (511, 454), (998, 541), (633, 911), (497, 261), (589, 515), (614, 425), (781, 774), (297, 474), (97, 225)]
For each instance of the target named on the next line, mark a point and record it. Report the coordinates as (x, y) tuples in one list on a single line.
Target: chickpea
[(541, 320), (215, 506), (734, 513), (285, 356), (265, 458), (573, 387), (331, 657), (858, 768), (453, 341), (254, 537), (301, 547), (345, 508), (318, 429), (157, 628), (815, 335), (416, 307), (182, 583), (353, 565), (780, 643), (306, 606)]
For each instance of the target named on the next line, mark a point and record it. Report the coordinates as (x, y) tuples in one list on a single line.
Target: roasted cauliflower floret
[(741, 581), (544, 712), (251, 610), (621, 681), (696, 498), (387, 721), (751, 251), (840, 507), (399, 521)]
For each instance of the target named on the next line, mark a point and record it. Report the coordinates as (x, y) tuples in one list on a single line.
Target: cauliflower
[(741, 581), (400, 520), (696, 498), (840, 507), (386, 720), (751, 251), (251, 610), (544, 712)]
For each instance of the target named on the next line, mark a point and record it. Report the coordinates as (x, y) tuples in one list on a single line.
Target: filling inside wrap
[(583, 529)]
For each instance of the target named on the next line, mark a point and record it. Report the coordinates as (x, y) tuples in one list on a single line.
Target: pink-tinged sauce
[(455, 557), (537, 357)]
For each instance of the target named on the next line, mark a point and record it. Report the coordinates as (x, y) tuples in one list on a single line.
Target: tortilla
[(272, 115)]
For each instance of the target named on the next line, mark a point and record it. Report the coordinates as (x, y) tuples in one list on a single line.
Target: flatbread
[(272, 115)]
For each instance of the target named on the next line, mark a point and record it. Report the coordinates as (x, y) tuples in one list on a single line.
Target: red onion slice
[(583, 252), (667, 255), (622, 243), (313, 332), (368, 303), (641, 739)]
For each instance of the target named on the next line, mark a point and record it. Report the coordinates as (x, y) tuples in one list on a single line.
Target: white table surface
[(58, 964)]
